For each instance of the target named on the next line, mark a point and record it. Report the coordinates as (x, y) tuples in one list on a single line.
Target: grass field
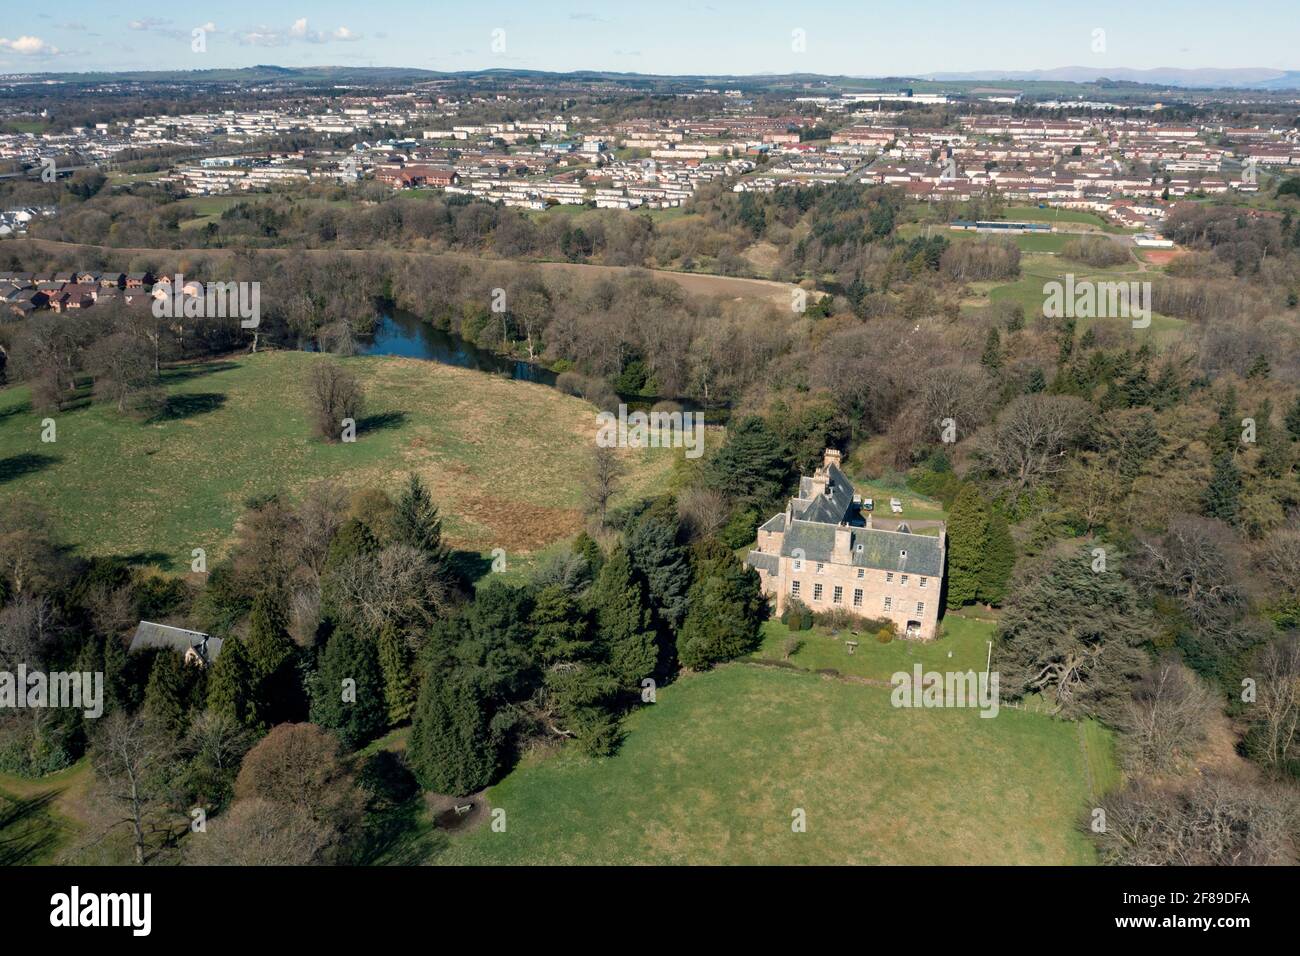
[(504, 460), (36, 816), (713, 772), (964, 637)]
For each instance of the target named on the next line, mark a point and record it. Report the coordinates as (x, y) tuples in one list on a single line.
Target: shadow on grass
[(402, 836), (16, 466), (28, 832), (380, 422), (186, 373), (189, 405), (21, 408), (469, 566)]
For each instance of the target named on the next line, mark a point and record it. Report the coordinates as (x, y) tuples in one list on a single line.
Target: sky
[(862, 38)]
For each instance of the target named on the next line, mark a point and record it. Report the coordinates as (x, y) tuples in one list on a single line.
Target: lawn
[(504, 460), (962, 645), (712, 773), (36, 815)]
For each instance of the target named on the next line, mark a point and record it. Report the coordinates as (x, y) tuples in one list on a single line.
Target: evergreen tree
[(992, 357), (583, 696), (655, 555), (416, 521), (968, 534), (618, 599), (999, 559), (1293, 420), (347, 691), (585, 546), (1222, 497), (353, 538), (395, 666), (164, 695), (117, 691), (1036, 382), (269, 644), (231, 691), (559, 627), (723, 620), (451, 747), (750, 467)]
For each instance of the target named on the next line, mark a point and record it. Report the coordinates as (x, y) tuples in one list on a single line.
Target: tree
[(164, 705), (334, 396), (623, 622), (981, 553), (1028, 442), (231, 688), (723, 615), (130, 761), (269, 645), (751, 466), (347, 690), (992, 357), (1222, 498), (395, 666), (416, 522), (124, 374), (1274, 737), (1293, 420), (602, 480), (655, 555), (1074, 635), (1167, 717), (451, 748)]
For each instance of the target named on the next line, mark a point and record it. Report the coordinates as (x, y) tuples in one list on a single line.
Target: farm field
[(504, 460), (712, 773)]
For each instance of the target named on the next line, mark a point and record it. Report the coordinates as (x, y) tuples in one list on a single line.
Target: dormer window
[(902, 555)]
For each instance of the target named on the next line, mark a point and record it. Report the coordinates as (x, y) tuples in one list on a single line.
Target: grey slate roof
[(775, 523), (831, 507), (881, 550), (761, 561), (149, 635)]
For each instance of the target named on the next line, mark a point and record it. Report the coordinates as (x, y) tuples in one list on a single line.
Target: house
[(825, 551), (138, 280), (195, 646)]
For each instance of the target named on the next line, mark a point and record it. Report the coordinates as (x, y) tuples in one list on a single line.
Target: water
[(404, 334), (407, 335)]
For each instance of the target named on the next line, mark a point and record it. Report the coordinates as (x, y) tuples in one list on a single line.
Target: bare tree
[(602, 480), (130, 761), (1275, 715), (1167, 717), (1027, 444), (333, 395)]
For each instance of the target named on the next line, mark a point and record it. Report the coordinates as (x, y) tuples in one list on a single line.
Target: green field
[(713, 772), (964, 637), (504, 460), (36, 816)]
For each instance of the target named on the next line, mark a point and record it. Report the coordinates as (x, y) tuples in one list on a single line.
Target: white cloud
[(28, 46)]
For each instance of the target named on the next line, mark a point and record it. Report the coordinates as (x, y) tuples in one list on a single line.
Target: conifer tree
[(1222, 498), (395, 666), (347, 690), (451, 748), (164, 704), (618, 600), (231, 691), (967, 543)]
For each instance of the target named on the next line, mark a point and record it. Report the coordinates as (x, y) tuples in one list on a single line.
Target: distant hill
[(1255, 78)]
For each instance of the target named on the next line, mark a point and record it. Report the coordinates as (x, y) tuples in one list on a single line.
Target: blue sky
[(864, 38)]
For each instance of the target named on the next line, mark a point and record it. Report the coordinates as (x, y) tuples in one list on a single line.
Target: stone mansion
[(830, 552)]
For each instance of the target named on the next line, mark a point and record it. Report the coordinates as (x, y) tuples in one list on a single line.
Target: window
[(889, 604), (862, 573), (837, 595), (857, 597), (903, 580), (798, 564), (923, 580), (821, 568), (920, 607), (889, 577), (817, 592), (794, 588)]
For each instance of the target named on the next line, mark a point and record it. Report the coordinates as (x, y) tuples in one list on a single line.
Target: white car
[(895, 506)]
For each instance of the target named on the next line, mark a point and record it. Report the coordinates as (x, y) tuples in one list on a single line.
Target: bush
[(797, 616), (1095, 251)]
